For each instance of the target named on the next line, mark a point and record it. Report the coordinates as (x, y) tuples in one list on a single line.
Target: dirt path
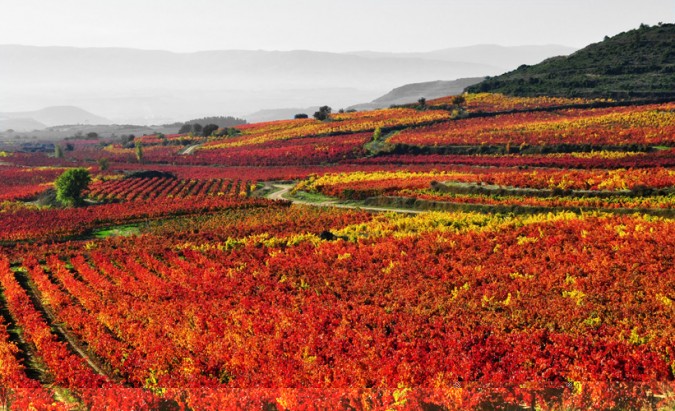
[(283, 190), (189, 150)]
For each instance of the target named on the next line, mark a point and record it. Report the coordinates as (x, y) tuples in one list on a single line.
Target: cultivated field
[(527, 263)]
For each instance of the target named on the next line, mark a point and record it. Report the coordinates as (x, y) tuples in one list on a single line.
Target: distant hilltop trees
[(220, 121)]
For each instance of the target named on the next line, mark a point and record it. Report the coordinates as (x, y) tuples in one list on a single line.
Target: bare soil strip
[(282, 193), (417, 206)]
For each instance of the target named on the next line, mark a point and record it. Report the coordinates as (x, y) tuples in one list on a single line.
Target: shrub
[(139, 152), (71, 184), (323, 113), (209, 129)]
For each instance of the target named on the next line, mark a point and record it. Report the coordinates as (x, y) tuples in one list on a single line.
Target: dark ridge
[(639, 63), (149, 174)]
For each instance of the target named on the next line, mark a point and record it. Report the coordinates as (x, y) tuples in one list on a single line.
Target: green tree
[(71, 184), (103, 163), (58, 151), (209, 129), (458, 100), (377, 134), (185, 128), (139, 152), (323, 113)]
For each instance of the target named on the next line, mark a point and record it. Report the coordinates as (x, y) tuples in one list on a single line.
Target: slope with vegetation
[(637, 63)]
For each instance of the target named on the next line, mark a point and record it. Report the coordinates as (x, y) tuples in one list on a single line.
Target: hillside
[(20, 124), (410, 93), (405, 94), (637, 63), (47, 117)]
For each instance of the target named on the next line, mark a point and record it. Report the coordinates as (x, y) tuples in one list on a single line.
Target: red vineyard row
[(430, 310)]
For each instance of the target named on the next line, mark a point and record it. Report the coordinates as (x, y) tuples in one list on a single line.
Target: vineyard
[(527, 262)]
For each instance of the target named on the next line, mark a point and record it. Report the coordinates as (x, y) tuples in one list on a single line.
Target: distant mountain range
[(405, 94), (637, 63), (47, 117), (154, 87), (505, 58)]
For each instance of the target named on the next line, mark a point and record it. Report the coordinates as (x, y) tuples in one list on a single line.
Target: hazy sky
[(338, 25)]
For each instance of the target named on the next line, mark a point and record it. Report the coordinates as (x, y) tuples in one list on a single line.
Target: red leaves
[(545, 320), (55, 223)]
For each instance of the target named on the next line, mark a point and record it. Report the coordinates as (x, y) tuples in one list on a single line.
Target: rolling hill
[(410, 93), (47, 117), (637, 63)]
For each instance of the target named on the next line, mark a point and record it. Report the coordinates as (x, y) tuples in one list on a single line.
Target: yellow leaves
[(665, 300), (615, 180), (603, 154), (621, 230), (188, 367), (635, 338), (314, 182), (519, 276), (390, 267), (345, 256), (548, 217), (489, 303), (263, 239), (306, 357), (593, 321), (507, 300), (577, 387), (562, 182), (486, 301), (302, 238), (400, 396), (576, 295), (522, 240), (457, 291)]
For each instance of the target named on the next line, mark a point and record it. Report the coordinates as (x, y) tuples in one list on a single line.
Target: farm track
[(283, 191), (418, 206), (189, 150)]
